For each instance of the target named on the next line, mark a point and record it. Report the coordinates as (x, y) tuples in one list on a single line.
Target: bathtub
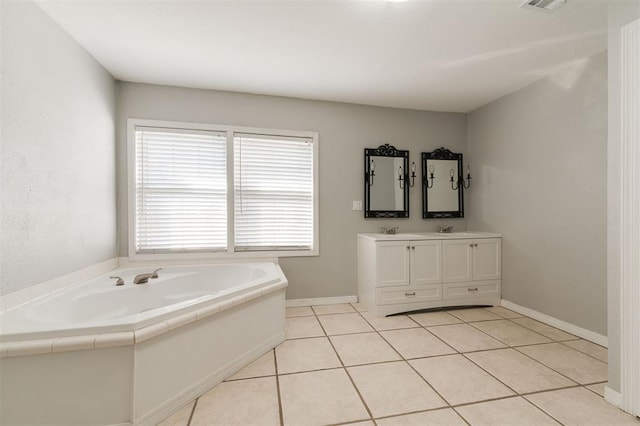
[(105, 354)]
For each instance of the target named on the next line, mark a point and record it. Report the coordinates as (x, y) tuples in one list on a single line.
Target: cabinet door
[(426, 262), (456, 256), (392, 268), (486, 259)]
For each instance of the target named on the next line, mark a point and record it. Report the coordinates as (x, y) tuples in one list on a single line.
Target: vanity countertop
[(416, 236)]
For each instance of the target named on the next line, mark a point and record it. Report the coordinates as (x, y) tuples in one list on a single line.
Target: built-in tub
[(105, 354)]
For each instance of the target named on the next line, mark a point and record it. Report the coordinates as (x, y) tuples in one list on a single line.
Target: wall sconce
[(460, 180), (372, 173), (431, 177), (413, 176)]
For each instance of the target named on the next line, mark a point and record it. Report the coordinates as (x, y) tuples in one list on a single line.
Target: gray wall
[(620, 13), (542, 183), (58, 152), (345, 130)]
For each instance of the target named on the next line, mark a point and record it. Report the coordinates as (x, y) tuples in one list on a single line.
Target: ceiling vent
[(548, 6)]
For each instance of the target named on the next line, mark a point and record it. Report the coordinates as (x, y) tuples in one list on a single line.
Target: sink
[(461, 234), (399, 236), (431, 235)]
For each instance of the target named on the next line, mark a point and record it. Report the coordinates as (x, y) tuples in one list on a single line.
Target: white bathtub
[(157, 345), (99, 306)]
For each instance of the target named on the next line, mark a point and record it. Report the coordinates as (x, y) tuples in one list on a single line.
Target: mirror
[(442, 184), (386, 174)]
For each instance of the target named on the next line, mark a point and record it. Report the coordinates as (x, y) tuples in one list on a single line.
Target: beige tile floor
[(340, 365)]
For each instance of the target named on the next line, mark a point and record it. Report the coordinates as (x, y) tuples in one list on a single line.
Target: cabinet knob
[(413, 247), (413, 293), (408, 247), (472, 289)]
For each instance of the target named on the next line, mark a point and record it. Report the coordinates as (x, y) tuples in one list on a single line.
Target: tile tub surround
[(342, 366)]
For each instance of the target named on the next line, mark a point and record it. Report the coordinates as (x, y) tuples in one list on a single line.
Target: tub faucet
[(444, 230), (120, 280), (144, 278)]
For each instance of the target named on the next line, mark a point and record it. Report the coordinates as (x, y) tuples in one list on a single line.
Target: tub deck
[(139, 376)]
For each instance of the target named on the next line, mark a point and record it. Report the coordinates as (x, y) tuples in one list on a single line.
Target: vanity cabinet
[(417, 271), (408, 263), (471, 259)]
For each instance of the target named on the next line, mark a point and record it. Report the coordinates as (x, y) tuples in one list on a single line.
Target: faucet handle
[(120, 280), (154, 274), (383, 229)]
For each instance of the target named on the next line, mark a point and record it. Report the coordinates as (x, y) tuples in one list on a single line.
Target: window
[(181, 190), (273, 193), (198, 189)]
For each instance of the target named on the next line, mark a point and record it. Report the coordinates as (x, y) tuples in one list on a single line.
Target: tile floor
[(478, 366)]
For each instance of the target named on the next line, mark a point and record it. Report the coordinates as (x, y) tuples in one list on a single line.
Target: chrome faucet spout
[(389, 231), (445, 230), (144, 278)]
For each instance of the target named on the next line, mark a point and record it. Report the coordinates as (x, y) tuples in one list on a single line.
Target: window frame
[(230, 131)]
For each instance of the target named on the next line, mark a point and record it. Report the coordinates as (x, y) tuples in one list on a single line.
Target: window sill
[(221, 256)]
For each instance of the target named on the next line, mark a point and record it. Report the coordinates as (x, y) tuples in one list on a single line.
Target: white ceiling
[(441, 55)]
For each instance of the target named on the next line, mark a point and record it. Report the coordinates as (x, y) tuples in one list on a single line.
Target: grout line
[(548, 366), (461, 416), (275, 365), (364, 403), (582, 352), (548, 414), (391, 416), (409, 364), (230, 380), (550, 326), (502, 341), (516, 349), (193, 411), (309, 371), (544, 411), (490, 374), (457, 352)]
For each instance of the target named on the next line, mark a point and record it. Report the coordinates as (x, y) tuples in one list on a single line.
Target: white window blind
[(181, 190), (273, 193)]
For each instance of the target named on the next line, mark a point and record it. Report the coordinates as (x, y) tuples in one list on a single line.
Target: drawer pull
[(408, 247), (413, 293), (472, 289), (413, 247)]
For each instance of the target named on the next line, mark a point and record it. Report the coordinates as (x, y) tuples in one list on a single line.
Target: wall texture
[(344, 129), (620, 13), (542, 183), (58, 152)]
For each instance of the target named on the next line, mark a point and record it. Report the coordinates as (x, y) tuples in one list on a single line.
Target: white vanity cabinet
[(471, 260), (416, 271)]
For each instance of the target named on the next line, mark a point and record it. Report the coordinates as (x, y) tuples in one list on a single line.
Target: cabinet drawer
[(409, 295), (471, 289)]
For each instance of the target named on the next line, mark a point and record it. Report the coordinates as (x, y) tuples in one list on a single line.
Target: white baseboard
[(555, 322), (295, 303), (612, 397)]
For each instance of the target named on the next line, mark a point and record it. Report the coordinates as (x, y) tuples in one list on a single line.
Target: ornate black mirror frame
[(440, 154), (385, 150)]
